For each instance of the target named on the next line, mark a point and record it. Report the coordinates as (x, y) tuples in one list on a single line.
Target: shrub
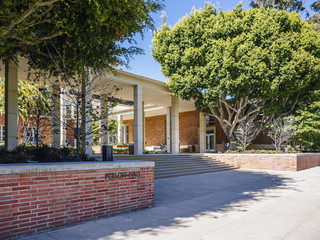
[(23, 154), (263, 151)]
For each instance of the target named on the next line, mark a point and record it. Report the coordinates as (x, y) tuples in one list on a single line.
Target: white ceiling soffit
[(154, 92)]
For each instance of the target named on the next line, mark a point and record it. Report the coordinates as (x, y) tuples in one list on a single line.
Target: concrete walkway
[(236, 205)]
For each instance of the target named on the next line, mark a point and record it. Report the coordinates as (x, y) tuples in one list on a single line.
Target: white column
[(168, 130), (86, 112), (104, 120), (124, 134), (11, 106), (63, 118), (138, 121), (119, 135), (175, 148), (55, 116), (144, 127), (202, 133), (72, 111)]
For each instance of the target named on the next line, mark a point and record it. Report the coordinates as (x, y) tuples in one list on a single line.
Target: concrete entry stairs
[(167, 165)]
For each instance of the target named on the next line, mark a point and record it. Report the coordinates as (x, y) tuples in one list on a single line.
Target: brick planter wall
[(307, 161), (42, 197), (280, 162)]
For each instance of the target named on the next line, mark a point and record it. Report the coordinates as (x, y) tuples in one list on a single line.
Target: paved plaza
[(237, 204)]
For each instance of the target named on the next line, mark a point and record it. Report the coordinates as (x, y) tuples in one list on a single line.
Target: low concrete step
[(168, 175), (180, 165), (189, 165), (160, 156), (175, 159), (189, 168)]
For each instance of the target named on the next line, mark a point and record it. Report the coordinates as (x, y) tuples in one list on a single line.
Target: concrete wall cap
[(70, 166)]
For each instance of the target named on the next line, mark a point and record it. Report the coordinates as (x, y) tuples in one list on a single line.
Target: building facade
[(156, 117)]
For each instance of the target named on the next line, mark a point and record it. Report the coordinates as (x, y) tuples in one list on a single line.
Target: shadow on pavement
[(182, 199)]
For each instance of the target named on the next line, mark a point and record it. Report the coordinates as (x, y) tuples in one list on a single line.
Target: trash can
[(107, 153), (131, 149)]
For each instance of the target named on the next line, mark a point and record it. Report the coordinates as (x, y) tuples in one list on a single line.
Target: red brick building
[(155, 117)]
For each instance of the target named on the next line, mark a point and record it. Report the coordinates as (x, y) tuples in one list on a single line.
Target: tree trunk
[(231, 113)]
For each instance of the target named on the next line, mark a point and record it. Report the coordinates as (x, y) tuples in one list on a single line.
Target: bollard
[(107, 153)]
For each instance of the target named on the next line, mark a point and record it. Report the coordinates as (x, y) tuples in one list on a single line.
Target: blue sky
[(145, 65)]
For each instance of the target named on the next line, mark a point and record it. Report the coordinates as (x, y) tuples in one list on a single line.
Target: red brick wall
[(45, 127), (262, 138), (155, 130), (70, 131), (36, 202), (285, 162), (1, 119), (189, 127), (220, 135), (308, 161)]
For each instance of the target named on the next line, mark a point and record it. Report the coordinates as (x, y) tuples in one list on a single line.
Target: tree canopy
[(287, 5), (315, 6), (308, 123), (92, 31), (240, 64), (292, 5)]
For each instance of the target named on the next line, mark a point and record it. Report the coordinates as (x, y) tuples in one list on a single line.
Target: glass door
[(210, 142)]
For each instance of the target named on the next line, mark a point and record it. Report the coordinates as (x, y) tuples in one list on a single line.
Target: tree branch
[(24, 15)]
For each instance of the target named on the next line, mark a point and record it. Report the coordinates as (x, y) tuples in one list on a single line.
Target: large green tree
[(315, 6), (292, 5), (308, 123), (239, 64), (315, 18), (93, 31), (287, 5)]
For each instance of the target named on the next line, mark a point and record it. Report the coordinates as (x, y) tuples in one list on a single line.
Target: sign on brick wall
[(120, 175)]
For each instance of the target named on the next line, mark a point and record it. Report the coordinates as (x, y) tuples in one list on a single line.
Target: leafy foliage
[(314, 20), (90, 33), (23, 154), (287, 5), (32, 98), (315, 6), (239, 63), (308, 125)]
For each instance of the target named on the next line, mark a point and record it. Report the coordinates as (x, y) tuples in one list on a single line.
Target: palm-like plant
[(33, 104)]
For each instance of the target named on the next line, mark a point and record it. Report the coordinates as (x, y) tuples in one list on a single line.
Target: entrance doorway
[(210, 141)]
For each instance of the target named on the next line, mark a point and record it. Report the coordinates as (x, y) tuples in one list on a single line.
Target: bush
[(262, 151), (155, 152), (23, 154), (124, 150)]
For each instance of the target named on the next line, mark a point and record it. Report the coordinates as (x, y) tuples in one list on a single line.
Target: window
[(125, 134), (71, 111), (210, 120), (68, 108), (2, 133)]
